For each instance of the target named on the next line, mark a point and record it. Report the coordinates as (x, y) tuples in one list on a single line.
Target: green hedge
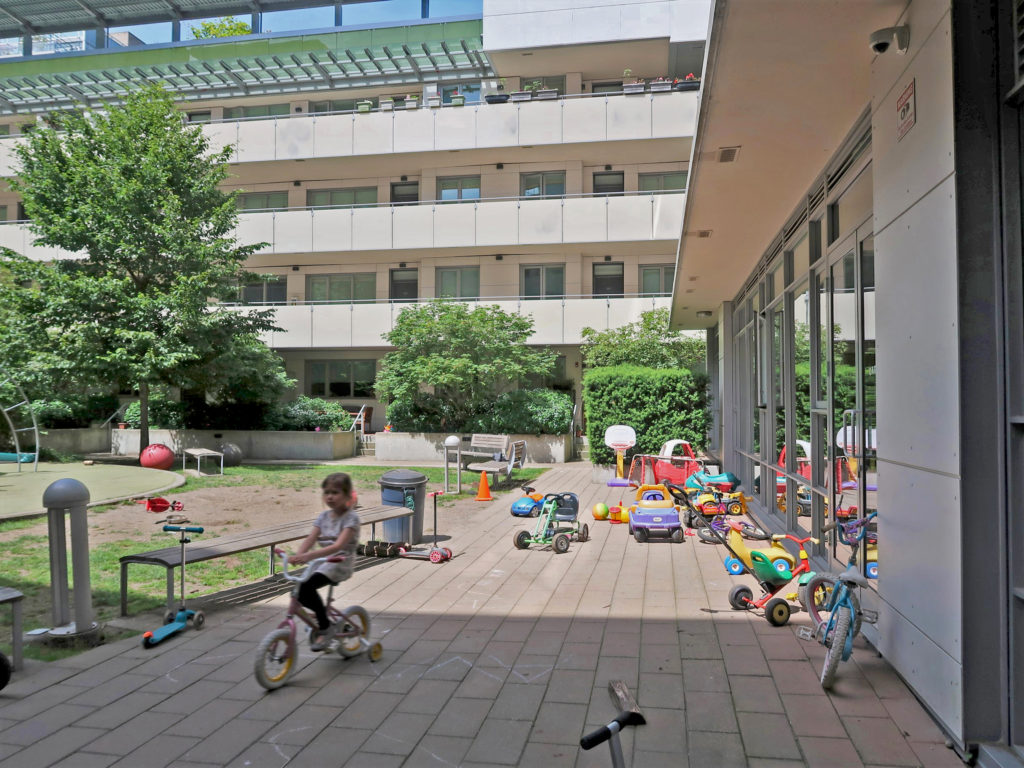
[(74, 412), (659, 404), (519, 412), (315, 413)]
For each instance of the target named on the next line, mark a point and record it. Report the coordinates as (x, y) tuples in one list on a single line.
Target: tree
[(648, 342), (134, 191), (456, 361), (228, 26)]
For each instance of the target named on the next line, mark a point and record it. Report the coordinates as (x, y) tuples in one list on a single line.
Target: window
[(557, 380), (657, 279), (663, 182), (22, 216), (339, 105), (457, 283), (549, 82), (262, 201), (609, 183), (262, 110), (405, 192), (608, 278), (5, 130), (360, 286), (458, 188), (607, 87), (543, 282), (470, 90), (270, 291), (341, 198), (3, 213), (546, 184), (200, 117), (341, 378), (404, 284)]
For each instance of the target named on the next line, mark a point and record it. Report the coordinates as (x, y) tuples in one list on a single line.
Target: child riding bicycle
[(335, 533)]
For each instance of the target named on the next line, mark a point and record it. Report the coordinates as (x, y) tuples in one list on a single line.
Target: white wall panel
[(668, 216), (584, 119), (540, 221), (332, 135), (372, 133), (293, 231), (413, 130), (332, 229), (454, 225), (585, 219), (455, 128), (294, 138), (497, 125), (221, 135), (547, 320), (584, 313), (370, 321), (629, 218), (631, 116), (256, 140), (332, 325), (413, 226), (497, 223), (296, 324), (256, 228), (371, 228), (540, 122), (672, 117), (13, 236)]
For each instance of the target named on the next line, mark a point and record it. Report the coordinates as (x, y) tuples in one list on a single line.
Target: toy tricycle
[(557, 524), (654, 512)]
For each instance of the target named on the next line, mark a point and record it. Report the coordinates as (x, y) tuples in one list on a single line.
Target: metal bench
[(209, 549), (199, 454), (14, 597), (515, 460)]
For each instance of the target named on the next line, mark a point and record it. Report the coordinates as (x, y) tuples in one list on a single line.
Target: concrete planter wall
[(77, 441), (259, 445), (429, 446)]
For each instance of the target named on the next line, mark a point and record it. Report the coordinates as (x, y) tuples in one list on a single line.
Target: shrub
[(70, 412), (163, 413), (313, 412), (428, 413), (528, 412), (659, 404)]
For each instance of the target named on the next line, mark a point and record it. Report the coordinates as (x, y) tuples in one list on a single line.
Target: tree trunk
[(143, 416)]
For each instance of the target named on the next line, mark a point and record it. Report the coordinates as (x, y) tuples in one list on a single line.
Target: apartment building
[(371, 160)]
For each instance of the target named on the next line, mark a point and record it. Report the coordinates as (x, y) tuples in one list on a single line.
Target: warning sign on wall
[(906, 111)]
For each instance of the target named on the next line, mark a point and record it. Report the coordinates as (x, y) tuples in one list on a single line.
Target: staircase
[(366, 446), (581, 448)]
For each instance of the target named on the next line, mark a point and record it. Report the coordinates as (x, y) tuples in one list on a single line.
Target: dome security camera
[(881, 39)]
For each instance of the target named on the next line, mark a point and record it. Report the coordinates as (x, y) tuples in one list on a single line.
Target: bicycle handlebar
[(852, 527), (801, 542), (311, 566)]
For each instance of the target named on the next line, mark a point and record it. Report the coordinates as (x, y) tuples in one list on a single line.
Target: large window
[(471, 92), (608, 278), (615, 87), (262, 110), (203, 116), (546, 281), (341, 378), (609, 183), (404, 284), (657, 279), (262, 201), (359, 286), (405, 192), (663, 182), (547, 82), (341, 198), (543, 184), (3, 213), (338, 105), (272, 291), (457, 282), (452, 188)]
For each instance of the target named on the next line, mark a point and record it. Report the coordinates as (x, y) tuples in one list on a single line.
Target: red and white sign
[(906, 111)]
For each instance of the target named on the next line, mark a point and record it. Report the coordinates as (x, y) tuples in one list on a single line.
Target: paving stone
[(342, 691), (517, 702), (471, 641), (782, 646), (451, 666), (428, 697), (51, 749), (369, 710), (86, 760), (853, 695), (302, 726), (699, 647), (121, 711), (157, 752), (934, 755), (45, 723), (796, 677), (665, 731), (552, 755), (399, 678), (460, 717), (423, 652), (278, 704), (196, 695), (264, 755), (744, 660), (398, 734), (500, 654), (736, 633), (767, 735), (544, 643), (765, 762), (228, 741), (660, 690), (620, 644), (579, 656), (111, 690), (332, 746), (813, 716), (616, 668), (709, 675), (914, 723), (482, 683), (558, 723), (878, 740), (436, 750), (499, 741), (722, 750), (660, 658), (710, 711), (532, 669), (375, 760), (570, 686), (134, 733), (653, 760), (820, 752), (755, 694)]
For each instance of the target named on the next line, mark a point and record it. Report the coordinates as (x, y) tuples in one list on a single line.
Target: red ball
[(157, 456)]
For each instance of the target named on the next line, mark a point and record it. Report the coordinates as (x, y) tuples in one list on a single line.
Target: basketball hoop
[(620, 439)]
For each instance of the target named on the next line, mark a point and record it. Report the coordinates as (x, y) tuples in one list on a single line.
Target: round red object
[(157, 456)]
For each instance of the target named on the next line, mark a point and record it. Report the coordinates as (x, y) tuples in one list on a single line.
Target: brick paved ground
[(499, 657)]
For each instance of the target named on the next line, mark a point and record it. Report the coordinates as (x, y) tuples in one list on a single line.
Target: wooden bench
[(489, 446), (515, 460), (209, 549), (14, 597), (199, 454)]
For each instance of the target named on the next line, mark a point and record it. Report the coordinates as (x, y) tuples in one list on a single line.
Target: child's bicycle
[(278, 652), (629, 714), (832, 604)]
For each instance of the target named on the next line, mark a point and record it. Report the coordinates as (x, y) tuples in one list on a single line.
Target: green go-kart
[(557, 523)]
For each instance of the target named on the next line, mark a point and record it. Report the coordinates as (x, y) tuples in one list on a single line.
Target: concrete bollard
[(68, 495)]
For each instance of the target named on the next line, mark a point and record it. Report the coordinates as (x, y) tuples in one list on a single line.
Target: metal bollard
[(453, 441), (71, 496)]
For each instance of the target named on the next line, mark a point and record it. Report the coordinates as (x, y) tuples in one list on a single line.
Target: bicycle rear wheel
[(358, 625), (835, 645)]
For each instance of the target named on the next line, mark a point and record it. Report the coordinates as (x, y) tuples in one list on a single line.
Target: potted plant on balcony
[(528, 91), (458, 99), (387, 103), (364, 105), (433, 100), (689, 83), (631, 84), (497, 98), (661, 85), (412, 101)]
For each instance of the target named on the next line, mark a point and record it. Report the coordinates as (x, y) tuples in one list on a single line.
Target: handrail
[(426, 299)]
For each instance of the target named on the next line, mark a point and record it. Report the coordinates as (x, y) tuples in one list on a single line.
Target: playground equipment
[(529, 504), (435, 554), (620, 439), (654, 512), (176, 621), (557, 524), (18, 417), (156, 456)]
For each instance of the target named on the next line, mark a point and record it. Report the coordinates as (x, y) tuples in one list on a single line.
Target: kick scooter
[(176, 621), (629, 714), (435, 554)]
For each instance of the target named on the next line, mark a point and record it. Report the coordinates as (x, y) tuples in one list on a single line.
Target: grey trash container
[(404, 488)]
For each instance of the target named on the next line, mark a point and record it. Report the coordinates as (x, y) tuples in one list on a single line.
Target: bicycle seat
[(852, 575)]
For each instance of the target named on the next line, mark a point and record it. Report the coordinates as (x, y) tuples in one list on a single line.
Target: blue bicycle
[(836, 597)]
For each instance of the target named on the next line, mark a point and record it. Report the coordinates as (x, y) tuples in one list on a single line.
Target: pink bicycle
[(278, 652)]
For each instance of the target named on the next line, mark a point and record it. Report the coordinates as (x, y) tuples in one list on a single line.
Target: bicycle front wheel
[(835, 644), (275, 659)]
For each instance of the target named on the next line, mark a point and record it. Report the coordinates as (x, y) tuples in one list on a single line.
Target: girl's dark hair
[(340, 479)]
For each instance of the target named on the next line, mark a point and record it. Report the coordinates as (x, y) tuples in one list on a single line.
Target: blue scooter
[(175, 622)]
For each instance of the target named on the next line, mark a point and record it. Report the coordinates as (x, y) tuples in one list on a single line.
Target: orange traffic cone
[(484, 491)]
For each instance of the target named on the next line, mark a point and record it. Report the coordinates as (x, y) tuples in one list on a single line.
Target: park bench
[(223, 546), (515, 459), (492, 446), (14, 597)]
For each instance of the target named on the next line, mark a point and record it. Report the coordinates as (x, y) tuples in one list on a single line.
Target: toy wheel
[(357, 626), (735, 508), (535, 512), (584, 533), (198, 620), (436, 556), (871, 571), (754, 533), (733, 566), (146, 643), (777, 612), (275, 659), (835, 643), (688, 519), (781, 565), (5, 671), (375, 652), (448, 552), (169, 617), (560, 544), (521, 539), (740, 597), (706, 535), (677, 536), (641, 535)]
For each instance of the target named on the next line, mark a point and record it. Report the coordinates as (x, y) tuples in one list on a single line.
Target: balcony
[(482, 223), (555, 321)]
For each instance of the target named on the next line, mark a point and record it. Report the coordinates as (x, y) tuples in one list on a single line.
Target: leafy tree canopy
[(466, 357), (228, 26), (647, 342), (134, 191)]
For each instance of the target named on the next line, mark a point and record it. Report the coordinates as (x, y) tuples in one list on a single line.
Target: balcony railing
[(314, 325), (484, 222)]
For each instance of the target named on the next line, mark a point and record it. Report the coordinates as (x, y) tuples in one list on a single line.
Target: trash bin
[(404, 488)]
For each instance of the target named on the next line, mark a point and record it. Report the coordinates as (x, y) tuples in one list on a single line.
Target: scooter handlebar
[(185, 528), (602, 734)]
